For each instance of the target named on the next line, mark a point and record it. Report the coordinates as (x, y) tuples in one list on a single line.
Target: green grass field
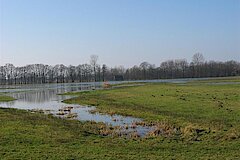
[(4, 98), (207, 116)]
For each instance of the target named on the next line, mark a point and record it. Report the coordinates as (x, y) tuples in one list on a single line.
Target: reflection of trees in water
[(36, 96), (44, 95)]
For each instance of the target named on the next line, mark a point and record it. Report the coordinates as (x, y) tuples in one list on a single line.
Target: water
[(45, 97)]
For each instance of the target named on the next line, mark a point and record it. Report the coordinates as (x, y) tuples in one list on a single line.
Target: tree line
[(94, 72)]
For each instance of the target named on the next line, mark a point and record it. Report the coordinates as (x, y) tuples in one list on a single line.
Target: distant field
[(206, 116), (222, 79)]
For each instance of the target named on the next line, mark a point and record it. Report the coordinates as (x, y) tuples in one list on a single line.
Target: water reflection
[(45, 97)]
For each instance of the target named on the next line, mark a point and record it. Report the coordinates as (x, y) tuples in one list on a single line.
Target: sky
[(120, 32)]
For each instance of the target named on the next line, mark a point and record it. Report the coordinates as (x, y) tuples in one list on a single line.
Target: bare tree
[(183, 64), (104, 70), (93, 62), (144, 66), (198, 61), (179, 68)]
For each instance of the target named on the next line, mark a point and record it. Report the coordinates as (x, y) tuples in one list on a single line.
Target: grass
[(35, 136), (193, 107), (217, 107), (4, 98), (221, 79)]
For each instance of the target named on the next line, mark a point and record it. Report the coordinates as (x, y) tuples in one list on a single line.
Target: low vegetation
[(199, 121), (4, 98), (211, 108)]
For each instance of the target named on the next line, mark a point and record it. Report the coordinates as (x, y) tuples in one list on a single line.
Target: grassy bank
[(215, 108), (4, 98), (207, 116), (35, 136)]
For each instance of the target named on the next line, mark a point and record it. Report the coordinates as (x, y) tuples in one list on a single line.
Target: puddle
[(124, 124)]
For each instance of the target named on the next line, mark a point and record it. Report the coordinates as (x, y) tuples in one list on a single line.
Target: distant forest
[(94, 72)]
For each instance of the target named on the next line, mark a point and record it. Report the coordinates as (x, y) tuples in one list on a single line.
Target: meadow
[(196, 120), (4, 98)]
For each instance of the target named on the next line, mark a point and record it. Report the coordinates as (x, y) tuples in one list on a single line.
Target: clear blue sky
[(120, 32)]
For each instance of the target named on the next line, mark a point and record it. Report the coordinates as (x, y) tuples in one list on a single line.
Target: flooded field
[(46, 98)]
